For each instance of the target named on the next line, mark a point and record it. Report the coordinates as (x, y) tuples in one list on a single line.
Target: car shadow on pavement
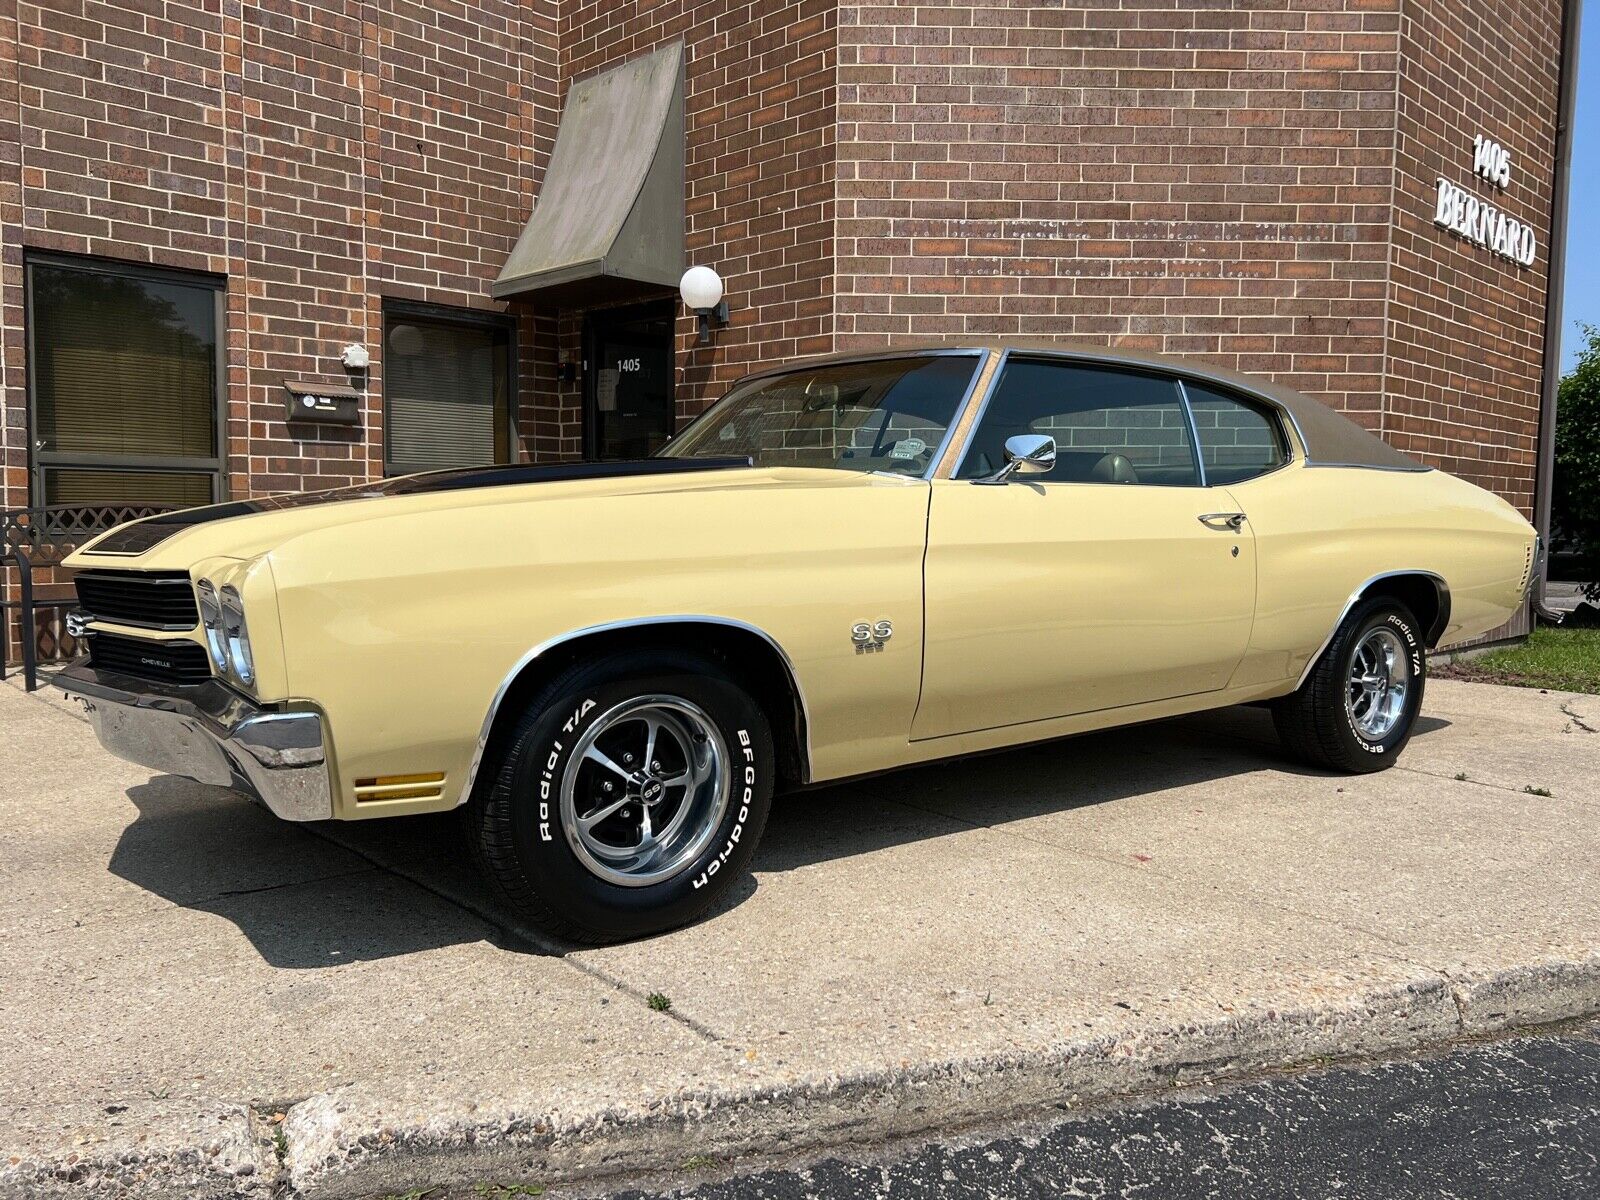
[(315, 896), (992, 790), (302, 900)]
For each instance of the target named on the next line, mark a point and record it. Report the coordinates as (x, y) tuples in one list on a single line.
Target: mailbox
[(322, 404)]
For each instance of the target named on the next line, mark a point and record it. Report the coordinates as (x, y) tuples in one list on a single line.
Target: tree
[(1575, 503)]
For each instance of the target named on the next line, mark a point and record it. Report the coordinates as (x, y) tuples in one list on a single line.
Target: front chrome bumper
[(209, 733)]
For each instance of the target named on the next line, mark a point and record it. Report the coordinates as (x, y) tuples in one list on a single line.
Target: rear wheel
[(627, 798), (1356, 708)]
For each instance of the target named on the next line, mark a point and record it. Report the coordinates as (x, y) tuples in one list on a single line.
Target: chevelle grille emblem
[(869, 637)]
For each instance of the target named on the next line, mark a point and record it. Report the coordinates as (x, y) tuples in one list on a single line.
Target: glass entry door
[(629, 392)]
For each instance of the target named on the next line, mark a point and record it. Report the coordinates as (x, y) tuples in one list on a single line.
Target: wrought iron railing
[(39, 539)]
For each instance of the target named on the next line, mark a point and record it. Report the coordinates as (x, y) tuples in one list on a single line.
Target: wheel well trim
[(1433, 635), (573, 635)]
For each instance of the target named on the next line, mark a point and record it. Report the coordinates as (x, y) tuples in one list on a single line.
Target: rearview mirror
[(1026, 454)]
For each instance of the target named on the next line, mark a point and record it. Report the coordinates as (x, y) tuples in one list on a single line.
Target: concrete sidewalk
[(948, 945)]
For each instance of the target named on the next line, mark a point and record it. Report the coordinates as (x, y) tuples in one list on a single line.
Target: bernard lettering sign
[(1459, 211)]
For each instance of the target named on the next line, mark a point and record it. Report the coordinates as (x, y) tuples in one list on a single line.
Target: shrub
[(1575, 503)]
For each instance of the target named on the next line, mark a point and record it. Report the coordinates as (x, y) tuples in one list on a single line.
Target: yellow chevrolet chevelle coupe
[(846, 565)]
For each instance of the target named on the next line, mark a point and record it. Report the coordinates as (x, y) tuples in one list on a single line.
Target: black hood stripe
[(139, 536)]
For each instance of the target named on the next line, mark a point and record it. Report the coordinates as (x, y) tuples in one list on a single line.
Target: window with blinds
[(446, 393), (124, 376)]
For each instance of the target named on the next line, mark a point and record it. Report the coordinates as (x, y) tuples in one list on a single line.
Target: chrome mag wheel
[(1377, 686), (645, 790)]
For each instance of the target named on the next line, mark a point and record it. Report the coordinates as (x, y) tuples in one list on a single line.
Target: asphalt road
[(1518, 1118)]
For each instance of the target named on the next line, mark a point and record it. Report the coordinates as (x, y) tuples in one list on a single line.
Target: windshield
[(885, 415)]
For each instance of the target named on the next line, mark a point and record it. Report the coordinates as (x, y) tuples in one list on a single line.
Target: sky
[(1582, 296)]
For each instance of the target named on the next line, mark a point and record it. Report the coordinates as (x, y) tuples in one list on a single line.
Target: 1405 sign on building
[(1460, 211)]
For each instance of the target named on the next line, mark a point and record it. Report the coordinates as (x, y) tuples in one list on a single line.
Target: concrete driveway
[(198, 999)]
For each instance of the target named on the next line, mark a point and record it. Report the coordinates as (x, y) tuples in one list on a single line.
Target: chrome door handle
[(1232, 522)]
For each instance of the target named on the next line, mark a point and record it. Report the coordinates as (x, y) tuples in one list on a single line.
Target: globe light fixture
[(701, 290)]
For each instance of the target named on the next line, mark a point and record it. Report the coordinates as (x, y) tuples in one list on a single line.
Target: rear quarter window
[(1239, 439)]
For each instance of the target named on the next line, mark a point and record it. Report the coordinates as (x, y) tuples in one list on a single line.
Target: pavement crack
[(529, 937), (1575, 719), (1457, 778), (280, 886), (672, 1014), (1455, 998)]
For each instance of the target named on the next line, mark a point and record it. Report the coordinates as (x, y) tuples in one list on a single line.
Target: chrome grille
[(151, 599), (169, 662)]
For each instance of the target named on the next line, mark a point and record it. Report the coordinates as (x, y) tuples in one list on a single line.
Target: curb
[(200, 1149), (352, 1144), (340, 1149), (358, 1142)]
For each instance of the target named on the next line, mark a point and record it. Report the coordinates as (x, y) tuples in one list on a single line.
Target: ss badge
[(869, 638)]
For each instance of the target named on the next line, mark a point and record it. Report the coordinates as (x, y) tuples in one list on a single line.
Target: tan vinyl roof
[(1329, 437)]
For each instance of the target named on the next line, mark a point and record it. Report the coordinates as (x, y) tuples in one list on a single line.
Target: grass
[(658, 1002), (1565, 660)]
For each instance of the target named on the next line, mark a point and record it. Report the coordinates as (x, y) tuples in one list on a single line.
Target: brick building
[(203, 202)]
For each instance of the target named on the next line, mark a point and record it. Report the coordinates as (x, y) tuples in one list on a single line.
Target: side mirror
[(1026, 454)]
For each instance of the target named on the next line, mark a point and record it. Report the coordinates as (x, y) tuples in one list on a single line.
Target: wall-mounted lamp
[(355, 357), (701, 289)]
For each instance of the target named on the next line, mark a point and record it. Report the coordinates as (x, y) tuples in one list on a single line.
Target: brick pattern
[(1192, 179), (13, 398), (1233, 180), (321, 154), (303, 270), (1466, 328), (760, 118)]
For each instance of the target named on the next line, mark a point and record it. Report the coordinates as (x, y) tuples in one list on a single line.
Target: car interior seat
[(1114, 468)]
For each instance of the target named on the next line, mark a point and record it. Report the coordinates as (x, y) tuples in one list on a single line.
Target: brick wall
[(1191, 179), (320, 155), (1240, 182), (1467, 327), (760, 118), (13, 399), (1232, 180)]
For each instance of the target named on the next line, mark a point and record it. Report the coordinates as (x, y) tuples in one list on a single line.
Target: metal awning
[(608, 223)]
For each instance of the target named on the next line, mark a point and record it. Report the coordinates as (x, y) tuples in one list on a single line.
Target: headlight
[(236, 637), (211, 621)]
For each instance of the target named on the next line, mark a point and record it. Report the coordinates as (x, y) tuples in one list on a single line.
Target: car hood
[(249, 528)]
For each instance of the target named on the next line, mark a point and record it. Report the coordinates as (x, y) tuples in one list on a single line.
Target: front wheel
[(630, 794), (1354, 712)]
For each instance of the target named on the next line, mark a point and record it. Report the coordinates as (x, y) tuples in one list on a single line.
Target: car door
[(1116, 578)]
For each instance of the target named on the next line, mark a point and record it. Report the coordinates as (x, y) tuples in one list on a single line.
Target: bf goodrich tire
[(629, 795), (1356, 709)]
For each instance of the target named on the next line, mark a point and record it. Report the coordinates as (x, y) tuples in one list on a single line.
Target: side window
[(1239, 439), (1110, 426)]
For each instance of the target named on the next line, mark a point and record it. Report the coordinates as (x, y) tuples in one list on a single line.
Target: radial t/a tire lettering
[(1356, 709), (629, 795)]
